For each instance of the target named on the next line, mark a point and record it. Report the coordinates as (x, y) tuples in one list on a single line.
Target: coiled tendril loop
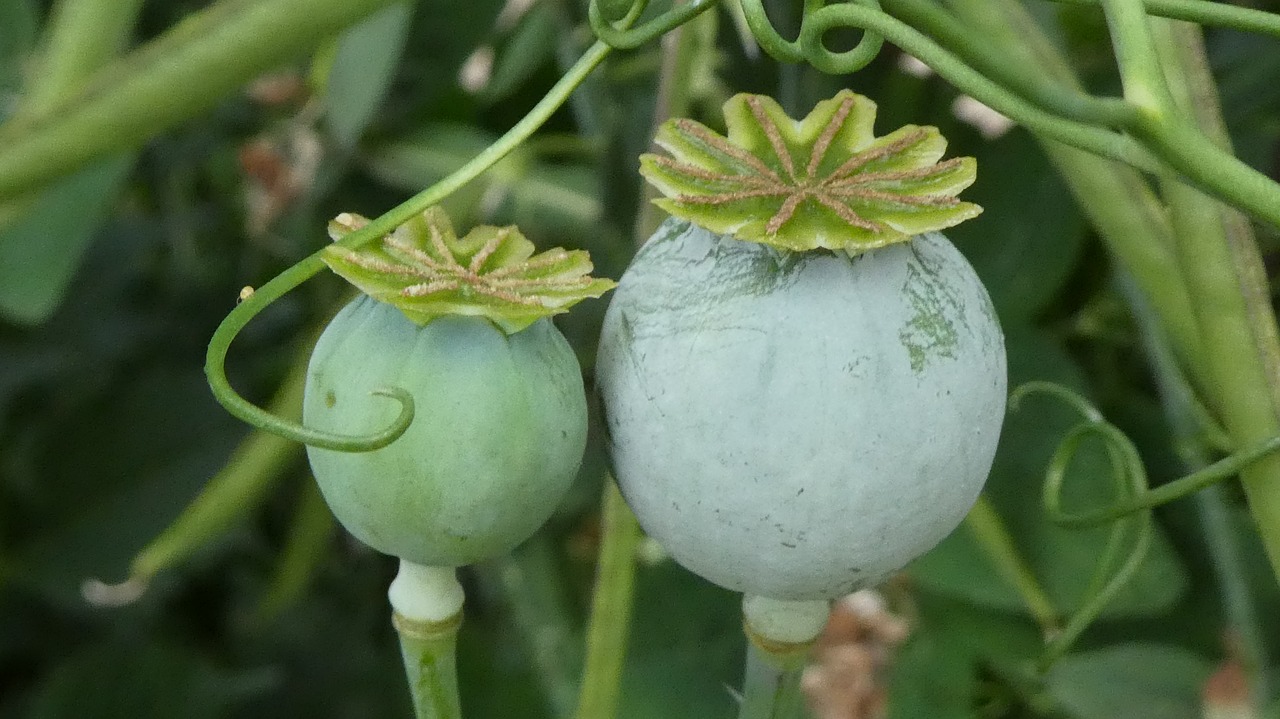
[(622, 36), (1131, 515)]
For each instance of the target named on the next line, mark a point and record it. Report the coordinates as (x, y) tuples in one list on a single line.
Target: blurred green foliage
[(114, 279)]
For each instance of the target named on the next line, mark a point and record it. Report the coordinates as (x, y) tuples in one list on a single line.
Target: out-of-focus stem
[(992, 536), (82, 36), (610, 620), (1183, 415)]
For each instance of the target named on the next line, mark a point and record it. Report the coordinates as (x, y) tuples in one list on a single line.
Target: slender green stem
[(1130, 478), (215, 359), (623, 37), (767, 36), (995, 541), (427, 603), (1219, 173), (1222, 14), (235, 490), (1063, 99), (1207, 476), (771, 686), (1097, 601), (1120, 204), (1086, 137), (610, 621), (310, 534), (175, 77)]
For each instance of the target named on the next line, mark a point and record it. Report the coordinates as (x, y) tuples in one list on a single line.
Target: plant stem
[(1223, 269), (993, 537), (1221, 325), (1208, 13), (610, 620), (1183, 414), (1119, 203), (780, 634), (179, 75), (427, 603), (533, 587), (82, 36)]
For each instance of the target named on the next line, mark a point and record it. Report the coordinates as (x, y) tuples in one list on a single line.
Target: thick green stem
[(1119, 203), (1223, 270), (1184, 416), (82, 36), (175, 77), (428, 611), (610, 620)]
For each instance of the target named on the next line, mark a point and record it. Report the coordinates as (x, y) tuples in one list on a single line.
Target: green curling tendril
[(216, 357), (623, 37), (1131, 516)]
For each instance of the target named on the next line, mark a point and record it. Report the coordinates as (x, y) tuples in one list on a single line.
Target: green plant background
[(112, 282)]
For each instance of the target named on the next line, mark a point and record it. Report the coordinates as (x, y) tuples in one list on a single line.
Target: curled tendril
[(215, 372), (255, 302), (1131, 515), (621, 36), (821, 21), (1131, 479), (1142, 497)]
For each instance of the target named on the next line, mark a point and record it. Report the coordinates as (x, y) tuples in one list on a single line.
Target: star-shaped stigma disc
[(427, 271), (822, 182)]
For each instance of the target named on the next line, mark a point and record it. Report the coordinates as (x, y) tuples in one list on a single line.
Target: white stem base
[(426, 594), (784, 621)]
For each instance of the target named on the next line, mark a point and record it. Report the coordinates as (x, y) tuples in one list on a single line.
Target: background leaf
[(1130, 681), (41, 247), (362, 69)]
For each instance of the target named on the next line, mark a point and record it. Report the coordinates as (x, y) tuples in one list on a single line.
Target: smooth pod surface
[(497, 437), (799, 425)]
